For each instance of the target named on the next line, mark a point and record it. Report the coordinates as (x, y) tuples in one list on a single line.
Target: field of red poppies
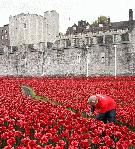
[(26, 123)]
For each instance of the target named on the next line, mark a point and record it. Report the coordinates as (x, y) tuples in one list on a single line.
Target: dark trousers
[(107, 117)]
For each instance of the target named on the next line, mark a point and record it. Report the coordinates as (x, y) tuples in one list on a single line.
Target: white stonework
[(33, 28), (52, 19)]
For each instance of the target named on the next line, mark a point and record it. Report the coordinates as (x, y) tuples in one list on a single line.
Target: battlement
[(25, 15), (50, 13)]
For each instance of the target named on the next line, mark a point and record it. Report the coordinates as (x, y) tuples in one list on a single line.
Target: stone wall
[(97, 60)]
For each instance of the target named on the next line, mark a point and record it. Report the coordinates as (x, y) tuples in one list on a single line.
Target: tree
[(95, 23), (100, 20)]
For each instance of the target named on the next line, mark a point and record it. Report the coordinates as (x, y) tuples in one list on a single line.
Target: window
[(87, 27), (91, 41), (74, 28), (5, 36), (116, 38), (102, 57), (2, 37), (63, 41), (125, 37), (24, 25), (87, 40), (76, 42), (58, 42), (49, 45), (78, 58), (68, 42), (100, 39), (5, 31), (108, 39), (14, 48)]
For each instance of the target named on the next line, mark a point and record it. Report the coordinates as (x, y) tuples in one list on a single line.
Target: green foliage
[(61, 129), (32, 131), (85, 115), (94, 146), (17, 128), (132, 128), (73, 110), (95, 23), (6, 123), (18, 141), (28, 91), (67, 142), (51, 142), (4, 143), (132, 147), (100, 20)]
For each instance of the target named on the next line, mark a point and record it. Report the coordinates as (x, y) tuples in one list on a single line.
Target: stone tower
[(52, 25), (33, 28)]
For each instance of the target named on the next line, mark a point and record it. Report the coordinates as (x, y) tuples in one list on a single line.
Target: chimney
[(130, 15), (108, 20)]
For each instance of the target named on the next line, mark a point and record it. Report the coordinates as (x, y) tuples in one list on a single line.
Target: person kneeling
[(106, 107)]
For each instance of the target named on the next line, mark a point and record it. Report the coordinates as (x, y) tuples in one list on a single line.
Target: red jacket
[(105, 103)]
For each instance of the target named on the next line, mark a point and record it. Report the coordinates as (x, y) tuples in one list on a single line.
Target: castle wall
[(97, 60), (106, 65), (132, 40)]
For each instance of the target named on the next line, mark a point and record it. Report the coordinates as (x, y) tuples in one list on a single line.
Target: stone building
[(4, 36), (30, 29), (52, 19), (105, 34)]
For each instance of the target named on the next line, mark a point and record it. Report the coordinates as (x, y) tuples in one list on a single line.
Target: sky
[(70, 11)]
